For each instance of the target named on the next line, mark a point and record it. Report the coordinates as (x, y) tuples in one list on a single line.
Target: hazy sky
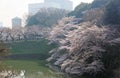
[(12, 8)]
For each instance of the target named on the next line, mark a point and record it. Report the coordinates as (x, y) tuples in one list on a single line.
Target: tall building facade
[(62, 4), (1, 24), (16, 22)]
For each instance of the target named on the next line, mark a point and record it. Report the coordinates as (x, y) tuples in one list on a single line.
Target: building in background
[(62, 4), (1, 24), (34, 8), (16, 22)]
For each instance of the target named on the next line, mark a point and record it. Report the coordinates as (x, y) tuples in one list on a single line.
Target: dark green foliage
[(79, 9), (31, 20), (99, 3), (46, 17), (112, 13), (78, 12)]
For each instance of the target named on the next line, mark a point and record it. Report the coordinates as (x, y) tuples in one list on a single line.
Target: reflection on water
[(12, 74), (27, 69)]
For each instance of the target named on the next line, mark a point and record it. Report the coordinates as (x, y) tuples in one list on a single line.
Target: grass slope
[(30, 65), (34, 68), (31, 47)]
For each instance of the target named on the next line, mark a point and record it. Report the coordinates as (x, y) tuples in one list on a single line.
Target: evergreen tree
[(46, 17), (99, 3), (112, 13), (79, 9)]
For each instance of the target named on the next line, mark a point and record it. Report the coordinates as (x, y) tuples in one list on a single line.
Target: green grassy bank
[(35, 68)]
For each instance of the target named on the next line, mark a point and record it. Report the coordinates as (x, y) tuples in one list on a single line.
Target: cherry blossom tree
[(85, 48)]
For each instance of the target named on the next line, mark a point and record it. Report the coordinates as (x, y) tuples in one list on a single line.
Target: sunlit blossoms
[(84, 48), (21, 34)]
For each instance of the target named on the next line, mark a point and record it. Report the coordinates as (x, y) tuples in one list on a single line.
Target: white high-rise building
[(16, 22), (1, 24), (62, 4), (34, 8)]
